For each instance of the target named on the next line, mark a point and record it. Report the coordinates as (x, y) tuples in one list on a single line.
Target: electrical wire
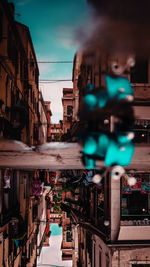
[(40, 61), (54, 81), (51, 62)]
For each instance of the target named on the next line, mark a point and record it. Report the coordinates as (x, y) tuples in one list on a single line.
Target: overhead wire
[(59, 62), (45, 62), (39, 61), (54, 81)]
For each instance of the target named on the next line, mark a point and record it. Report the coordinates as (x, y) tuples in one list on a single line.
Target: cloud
[(65, 36)]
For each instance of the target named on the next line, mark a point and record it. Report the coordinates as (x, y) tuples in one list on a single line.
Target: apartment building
[(56, 131), (19, 120), (115, 227), (67, 102)]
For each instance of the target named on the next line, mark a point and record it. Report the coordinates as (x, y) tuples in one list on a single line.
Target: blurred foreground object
[(119, 27), (112, 144)]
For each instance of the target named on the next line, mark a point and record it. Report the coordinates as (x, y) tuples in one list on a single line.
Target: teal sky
[(52, 25)]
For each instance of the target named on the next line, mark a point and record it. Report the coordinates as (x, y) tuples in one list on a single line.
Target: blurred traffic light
[(108, 116)]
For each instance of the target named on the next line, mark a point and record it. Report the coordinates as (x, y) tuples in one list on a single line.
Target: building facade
[(114, 230), (43, 120), (19, 92), (67, 244), (48, 115), (75, 79), (56, 131), (67, 102), (22, 118)]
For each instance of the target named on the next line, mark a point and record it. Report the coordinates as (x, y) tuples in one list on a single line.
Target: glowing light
[(125, 138), (117, 172), (130, 135), (106, 223), (106, 121), (129, 98), (131, 181), (97, 178), (131, 61)]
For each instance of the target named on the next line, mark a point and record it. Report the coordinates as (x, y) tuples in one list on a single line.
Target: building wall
[(19, 119), (48, 115), (12, 86), (56, 131), (75, 76), (32, 90), (67, 102), (19, 80), (43, 120), (128, 256)]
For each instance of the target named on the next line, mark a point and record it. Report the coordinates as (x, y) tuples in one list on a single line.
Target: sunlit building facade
[(67, 102)]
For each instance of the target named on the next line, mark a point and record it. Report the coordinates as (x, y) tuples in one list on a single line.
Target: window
[(139, 73), (135, 199), (69, 110), (68, 234), (142, 131)]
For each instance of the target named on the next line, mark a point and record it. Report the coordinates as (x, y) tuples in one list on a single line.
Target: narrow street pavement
[(51, 256)]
